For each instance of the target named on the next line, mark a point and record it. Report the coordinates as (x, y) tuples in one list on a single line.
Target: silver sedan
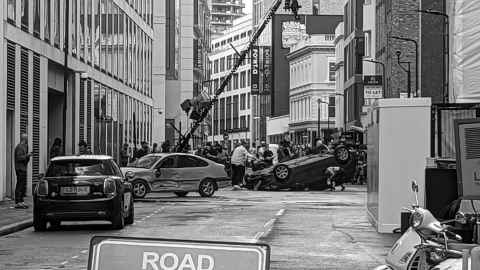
[(175, 172)]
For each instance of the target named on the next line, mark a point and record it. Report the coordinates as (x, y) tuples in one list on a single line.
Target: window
[(248, 101), (229, 62), (243, 103), (248, 78), (24, 18), (11, 11), (235, 112), (56, 23), (331, 71), (168, 162), (235, 81), (368, 43), (88, 38), (229, 113), (243, 122), (190, 162), (243, 76), (222, 64), (36, 18), (215, 66), (331, 107)]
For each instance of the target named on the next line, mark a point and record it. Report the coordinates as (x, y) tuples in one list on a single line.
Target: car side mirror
[(158, 172)]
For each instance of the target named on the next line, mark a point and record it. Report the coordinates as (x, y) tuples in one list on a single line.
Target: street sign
[(372, 86), (121, 253)]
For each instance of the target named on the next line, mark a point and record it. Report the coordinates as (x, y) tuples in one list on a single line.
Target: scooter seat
[(462, 246)]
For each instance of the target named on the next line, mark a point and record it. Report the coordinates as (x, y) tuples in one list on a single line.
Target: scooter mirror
[(414, 186)]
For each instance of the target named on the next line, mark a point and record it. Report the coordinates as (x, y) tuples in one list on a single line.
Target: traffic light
[(186, 105), (195, 106)]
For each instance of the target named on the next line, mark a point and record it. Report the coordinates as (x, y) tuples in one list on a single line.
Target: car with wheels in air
[(304, 172), (179, 173), (82, 188)]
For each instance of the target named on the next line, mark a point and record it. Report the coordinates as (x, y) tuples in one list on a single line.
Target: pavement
[(305, 230), (12, 219)]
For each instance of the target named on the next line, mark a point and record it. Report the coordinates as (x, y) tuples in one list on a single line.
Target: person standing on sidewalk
[(56, 149), (238, 161), (22, 157)]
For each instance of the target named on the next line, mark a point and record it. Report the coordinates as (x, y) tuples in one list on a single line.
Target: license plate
[(80, 190)]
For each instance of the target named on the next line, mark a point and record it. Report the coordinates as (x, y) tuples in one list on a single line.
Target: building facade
[(339, 73), (232, 114), (75, 70), (224, 12), (187, 37), (312, 89)]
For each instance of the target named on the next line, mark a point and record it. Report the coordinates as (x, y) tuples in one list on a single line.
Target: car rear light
[(109, 187), (42, 188)]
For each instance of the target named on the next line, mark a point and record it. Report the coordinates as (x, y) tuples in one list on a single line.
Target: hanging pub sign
[(372, 85), (255, 71), (267, 70)]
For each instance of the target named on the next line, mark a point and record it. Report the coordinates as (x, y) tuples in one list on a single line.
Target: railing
[(442, 126)]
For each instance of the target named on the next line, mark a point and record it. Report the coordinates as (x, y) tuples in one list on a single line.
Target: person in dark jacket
[(124, 155), (56, 149), (166, 146), (22, 157), (83, 148)]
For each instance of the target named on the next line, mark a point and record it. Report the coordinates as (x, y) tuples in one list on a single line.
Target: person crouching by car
[(335, 177), (238, 160), (267, 155)]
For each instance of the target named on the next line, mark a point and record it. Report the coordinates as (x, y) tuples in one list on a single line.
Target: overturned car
[(308, 172)]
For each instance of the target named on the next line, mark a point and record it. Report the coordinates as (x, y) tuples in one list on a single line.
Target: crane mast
[(183, 142)]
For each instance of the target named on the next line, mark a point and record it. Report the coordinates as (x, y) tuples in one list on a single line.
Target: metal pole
[(65, 77), (318, 123), (447, 59), (409, 83)]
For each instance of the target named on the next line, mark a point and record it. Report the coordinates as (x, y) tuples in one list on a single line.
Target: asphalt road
[(306, 230)]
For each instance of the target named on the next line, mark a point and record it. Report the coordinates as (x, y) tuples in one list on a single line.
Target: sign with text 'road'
[(120, 253)]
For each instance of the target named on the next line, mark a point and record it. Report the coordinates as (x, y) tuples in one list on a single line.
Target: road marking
[(64, 262), (84, 251), (270, 222), (257, 236), (268, 226), (74, 257), (280, 212)]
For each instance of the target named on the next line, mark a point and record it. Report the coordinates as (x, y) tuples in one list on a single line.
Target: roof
[(82, 157)]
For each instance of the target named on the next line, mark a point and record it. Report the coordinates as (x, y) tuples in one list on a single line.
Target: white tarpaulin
[(465, 50)]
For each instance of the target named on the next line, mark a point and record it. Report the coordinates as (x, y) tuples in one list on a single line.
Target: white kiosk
[(398, 138)]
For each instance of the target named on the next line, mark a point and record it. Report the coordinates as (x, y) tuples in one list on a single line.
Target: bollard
[(465, 259), (475, 257)]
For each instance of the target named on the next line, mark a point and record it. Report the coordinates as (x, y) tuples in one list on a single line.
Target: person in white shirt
[(238, 160)]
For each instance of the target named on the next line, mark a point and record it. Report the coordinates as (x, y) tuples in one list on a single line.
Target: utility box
[(398, 138)]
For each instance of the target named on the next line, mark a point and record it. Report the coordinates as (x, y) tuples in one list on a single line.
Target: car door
[(166, 174), (191, 169)]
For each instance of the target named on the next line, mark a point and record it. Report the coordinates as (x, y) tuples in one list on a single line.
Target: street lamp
[(320, 101), (383, 72), (409, 90), (446, 44), (416, 59)]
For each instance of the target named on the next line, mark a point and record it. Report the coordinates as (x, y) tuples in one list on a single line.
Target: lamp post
[(383, 73), (446, 44), (409, 90), (320, 101), (416, 59)]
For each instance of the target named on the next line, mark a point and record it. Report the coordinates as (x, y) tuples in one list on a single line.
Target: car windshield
[(85, 167), (145, 162)]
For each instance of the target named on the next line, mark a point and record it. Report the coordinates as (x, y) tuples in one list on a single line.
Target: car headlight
[(130, 174), (416, 220), (109, 186), (42, 188)]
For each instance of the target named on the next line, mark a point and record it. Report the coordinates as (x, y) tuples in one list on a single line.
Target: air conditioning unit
[(467, 143)]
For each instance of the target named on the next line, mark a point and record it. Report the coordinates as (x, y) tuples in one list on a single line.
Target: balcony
[(230, 3)]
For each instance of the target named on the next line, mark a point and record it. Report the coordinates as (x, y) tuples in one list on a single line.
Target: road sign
[(372, 85), (121, 253)]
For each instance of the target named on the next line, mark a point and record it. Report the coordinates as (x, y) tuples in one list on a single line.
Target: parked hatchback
[(82, 188), (175, 172)]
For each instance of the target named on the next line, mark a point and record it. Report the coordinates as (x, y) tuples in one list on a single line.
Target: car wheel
[(118, 221), (131, 214), (206, 188), (140, 189), (281, 172), (39, 223), (342, 155), (181, 193)]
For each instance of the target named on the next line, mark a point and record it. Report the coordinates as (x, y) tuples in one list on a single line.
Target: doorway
[(55, 117), (10, 177)]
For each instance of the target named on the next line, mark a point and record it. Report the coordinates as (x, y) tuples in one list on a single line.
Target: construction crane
[(199, 107)]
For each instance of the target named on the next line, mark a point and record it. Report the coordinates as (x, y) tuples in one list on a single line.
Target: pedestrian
[(320, 148), (166, 146), (238, 161), (267, 155), (124, 155), (335, 176), (56, 149), (283, 151), (22, 157), (154, 148), (83, 148), (142, 151)]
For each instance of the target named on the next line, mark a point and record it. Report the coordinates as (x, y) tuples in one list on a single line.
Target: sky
[(248, 6)]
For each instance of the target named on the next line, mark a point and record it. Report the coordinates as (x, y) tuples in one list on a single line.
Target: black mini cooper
[(82, 188)]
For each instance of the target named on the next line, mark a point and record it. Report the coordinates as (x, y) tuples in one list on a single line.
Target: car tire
[(181, 194), (281, 173), (131, 214), (206, 188), (39, 223), (118, 221), (140, 189), (342, 155)]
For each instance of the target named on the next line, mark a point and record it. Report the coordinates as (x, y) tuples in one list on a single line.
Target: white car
[(175, 172)]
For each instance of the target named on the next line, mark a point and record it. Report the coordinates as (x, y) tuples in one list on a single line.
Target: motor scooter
[(427, 244)]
